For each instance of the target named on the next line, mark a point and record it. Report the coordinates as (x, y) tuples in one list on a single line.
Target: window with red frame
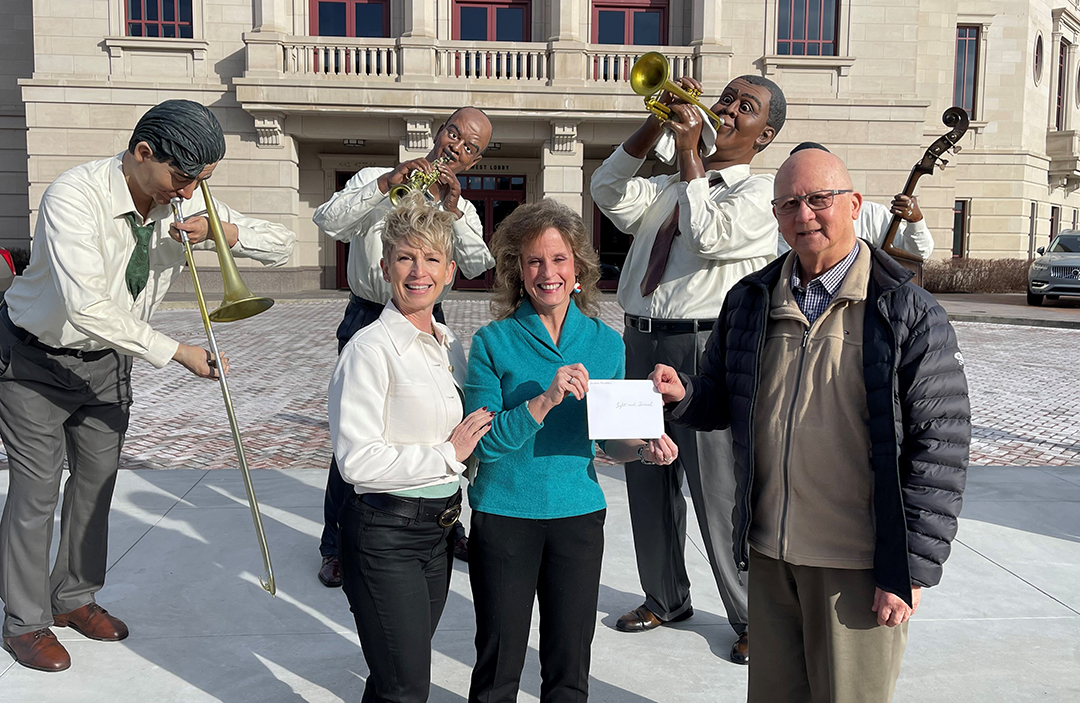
[(492, 21), (806, 27), (967, 61), (637, 22), (158, 18), (350, 18)]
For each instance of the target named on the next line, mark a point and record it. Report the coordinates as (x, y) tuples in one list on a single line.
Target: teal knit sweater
[(530, 470)]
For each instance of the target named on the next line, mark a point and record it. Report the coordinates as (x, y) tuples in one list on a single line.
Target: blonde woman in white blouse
[(400, 440)]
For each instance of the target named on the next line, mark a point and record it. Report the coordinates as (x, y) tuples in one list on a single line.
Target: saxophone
[(418, 180)]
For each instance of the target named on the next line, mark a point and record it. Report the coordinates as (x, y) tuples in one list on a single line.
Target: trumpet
[(418, 180), (651, 74), (238, 304)]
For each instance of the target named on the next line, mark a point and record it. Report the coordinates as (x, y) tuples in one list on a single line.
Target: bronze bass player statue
[(956, 118)]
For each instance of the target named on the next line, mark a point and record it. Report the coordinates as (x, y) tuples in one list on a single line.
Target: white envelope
[(624, 410)]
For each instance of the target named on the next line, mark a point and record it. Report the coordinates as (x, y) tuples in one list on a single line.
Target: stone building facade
[(309, 91)]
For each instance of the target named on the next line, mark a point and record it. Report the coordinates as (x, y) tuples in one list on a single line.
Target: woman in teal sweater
[(538, 511)]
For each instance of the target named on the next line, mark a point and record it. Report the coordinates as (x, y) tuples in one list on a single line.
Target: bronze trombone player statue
[(696, 233), (102, 262)]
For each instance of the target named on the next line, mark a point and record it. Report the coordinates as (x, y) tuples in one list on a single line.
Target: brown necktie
[(661, 247)]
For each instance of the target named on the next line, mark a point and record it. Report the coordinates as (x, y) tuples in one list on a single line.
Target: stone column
[(264, 55), (712, 58), (567, 44), (561, 160), (272, 16), (418, 41)]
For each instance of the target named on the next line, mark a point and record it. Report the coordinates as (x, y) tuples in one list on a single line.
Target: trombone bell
[(238, 303), (650, 75)]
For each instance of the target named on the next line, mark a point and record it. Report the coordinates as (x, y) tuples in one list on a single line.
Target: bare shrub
[(976, 275)]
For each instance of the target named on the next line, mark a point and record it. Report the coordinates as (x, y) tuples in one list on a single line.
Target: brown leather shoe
[(330, 572), (94, 622), (641, 619), (39, 650), (740, 651)]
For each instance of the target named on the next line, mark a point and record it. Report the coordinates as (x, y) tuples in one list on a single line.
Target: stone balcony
[(567, 81), (1063, 148)]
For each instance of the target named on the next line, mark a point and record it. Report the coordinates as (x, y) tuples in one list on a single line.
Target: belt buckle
[(645, 325), (449, 516)]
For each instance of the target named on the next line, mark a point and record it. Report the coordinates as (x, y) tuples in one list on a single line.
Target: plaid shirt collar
[(815, 296)]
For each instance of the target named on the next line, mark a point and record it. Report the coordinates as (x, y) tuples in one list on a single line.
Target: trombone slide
[(220, 244)]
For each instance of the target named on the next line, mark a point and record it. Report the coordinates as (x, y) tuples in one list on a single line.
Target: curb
[(1018, 321)]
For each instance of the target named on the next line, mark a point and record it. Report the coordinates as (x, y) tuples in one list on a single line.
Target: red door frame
[(630, 8), (350, 15), (488, 197), (341, 249), (526, 5)]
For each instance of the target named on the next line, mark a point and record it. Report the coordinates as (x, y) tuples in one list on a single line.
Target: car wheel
[(1034, 299)]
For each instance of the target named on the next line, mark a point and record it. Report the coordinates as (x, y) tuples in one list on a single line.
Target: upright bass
[(956, 118)]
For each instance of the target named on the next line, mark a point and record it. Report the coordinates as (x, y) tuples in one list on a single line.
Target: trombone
[(651, 74), (238, 304)]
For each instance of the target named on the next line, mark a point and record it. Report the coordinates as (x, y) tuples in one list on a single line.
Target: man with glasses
[(845, 391), (106, 249), (355, 215), (696, 234), (874, 220)]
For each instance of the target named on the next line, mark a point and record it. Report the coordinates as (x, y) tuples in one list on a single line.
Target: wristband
[(641, 455)]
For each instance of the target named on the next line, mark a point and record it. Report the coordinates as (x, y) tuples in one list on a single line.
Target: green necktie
[(138, 268)]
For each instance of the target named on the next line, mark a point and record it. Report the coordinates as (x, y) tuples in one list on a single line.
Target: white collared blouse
[(394, 399)]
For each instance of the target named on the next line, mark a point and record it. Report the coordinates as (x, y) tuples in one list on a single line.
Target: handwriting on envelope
[(624, 410)]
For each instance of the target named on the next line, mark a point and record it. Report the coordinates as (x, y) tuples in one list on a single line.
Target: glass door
[(494, 197)]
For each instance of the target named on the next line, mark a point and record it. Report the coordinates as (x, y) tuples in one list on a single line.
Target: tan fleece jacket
[(813, 484)]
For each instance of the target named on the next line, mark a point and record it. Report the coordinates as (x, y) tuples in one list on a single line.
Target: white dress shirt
[(873, 224), (726, 232), (394, 400), (74, 293), (355, 214)]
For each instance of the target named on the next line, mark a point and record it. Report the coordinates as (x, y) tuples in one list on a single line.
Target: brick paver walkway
[(1025, 390)]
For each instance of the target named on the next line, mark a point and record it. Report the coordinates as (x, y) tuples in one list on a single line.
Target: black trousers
[(511, 560), (396, 574), (358, 314)]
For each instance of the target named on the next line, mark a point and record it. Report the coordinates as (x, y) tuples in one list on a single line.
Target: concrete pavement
[(1004, 625)]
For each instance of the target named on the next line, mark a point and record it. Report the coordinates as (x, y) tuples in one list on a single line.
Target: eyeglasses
[(818, 200)]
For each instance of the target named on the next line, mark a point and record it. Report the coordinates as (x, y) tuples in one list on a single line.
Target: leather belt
[(29, 339), (444, 511), (649, 325)]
